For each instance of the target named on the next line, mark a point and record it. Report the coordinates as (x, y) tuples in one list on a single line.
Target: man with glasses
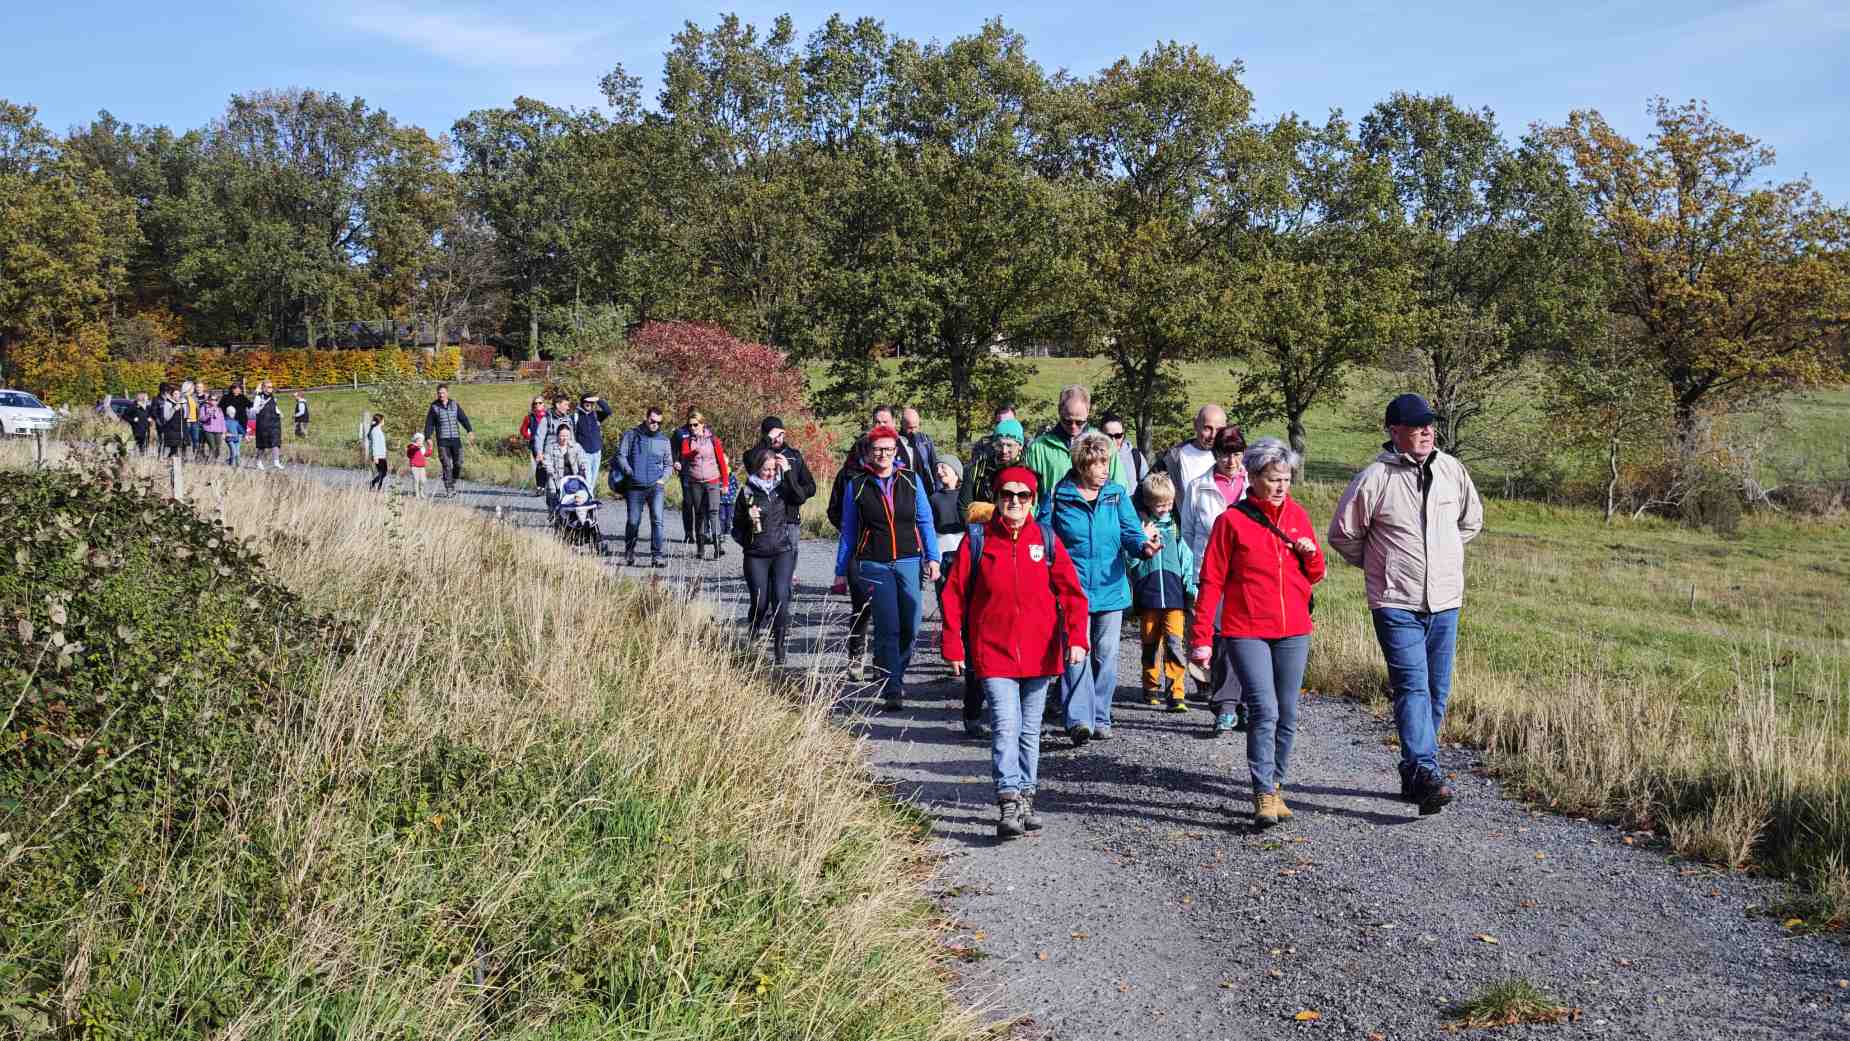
[(1404, 520), (1050, 455), (1191, 460), (644, 460), (1131, 461), (676, 441)]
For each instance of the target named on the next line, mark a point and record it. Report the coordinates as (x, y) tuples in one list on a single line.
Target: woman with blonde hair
[(705, 475), (1093, 517)]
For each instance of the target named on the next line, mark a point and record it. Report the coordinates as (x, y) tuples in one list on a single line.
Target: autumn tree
[(1735, 287)]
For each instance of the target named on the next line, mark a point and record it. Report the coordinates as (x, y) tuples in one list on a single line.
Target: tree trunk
[(533, 334), (1612, 479), (1294, 435)]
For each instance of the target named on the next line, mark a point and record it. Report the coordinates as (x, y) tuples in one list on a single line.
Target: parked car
[(23, 414)]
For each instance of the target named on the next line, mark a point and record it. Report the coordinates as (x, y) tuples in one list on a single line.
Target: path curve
[(1147, 910)]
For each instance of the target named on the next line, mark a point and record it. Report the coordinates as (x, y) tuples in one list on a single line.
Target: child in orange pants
[(1164, 585)]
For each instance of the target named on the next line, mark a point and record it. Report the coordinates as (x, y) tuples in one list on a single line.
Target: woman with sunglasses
[(1014, 591), (533, 429), (888, 544)]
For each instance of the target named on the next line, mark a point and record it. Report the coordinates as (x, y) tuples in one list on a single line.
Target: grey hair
[(1269, 451), (1075, 392), (1092, 447)]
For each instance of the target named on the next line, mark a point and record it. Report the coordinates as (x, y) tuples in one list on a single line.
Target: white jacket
[(1204, 506), (1405, 525), (375, 442)]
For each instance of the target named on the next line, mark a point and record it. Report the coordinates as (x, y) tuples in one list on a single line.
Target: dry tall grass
[(1749, 780), (574, 782)]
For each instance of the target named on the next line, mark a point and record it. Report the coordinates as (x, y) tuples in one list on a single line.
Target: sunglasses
[(1007, 496), (1117, 435)]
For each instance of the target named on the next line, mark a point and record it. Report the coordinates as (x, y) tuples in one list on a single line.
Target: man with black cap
[(1404, 520), (773, 436)]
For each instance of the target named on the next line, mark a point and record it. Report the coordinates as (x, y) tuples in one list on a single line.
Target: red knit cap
[(1019, 475)]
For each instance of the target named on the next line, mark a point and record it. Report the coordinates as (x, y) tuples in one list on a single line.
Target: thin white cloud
[(468, 37)]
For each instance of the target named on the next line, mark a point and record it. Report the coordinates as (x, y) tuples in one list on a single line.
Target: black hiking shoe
[(1431, 792), (1079, 734), (1009, 824), (1029, 819)]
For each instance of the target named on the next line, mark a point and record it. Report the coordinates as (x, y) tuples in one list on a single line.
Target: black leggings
[(378, 474), (767, 581), (705, 501)]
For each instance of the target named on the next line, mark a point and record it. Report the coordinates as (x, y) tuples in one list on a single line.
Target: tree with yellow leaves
[(1734, 289)]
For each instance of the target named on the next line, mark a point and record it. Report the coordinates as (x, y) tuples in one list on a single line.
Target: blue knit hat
[(1011, 428)]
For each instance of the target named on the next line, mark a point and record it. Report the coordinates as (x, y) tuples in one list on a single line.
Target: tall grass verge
[(523, 800), (1723, 726)]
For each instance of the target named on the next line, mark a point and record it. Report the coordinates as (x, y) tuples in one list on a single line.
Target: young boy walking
[(1164, 586)]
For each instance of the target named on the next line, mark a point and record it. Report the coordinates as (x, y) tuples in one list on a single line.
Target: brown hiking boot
[(1265, 809), (1284, 812)]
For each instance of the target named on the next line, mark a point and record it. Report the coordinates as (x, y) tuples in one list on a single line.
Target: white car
[(23, 414)]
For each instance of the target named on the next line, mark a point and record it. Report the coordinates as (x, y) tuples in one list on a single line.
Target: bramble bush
[(678, 365)]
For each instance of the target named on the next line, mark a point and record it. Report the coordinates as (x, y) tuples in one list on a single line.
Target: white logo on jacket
[(1036, 551)]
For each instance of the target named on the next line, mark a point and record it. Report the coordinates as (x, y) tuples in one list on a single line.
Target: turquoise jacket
[(1166, 581), (1098, 535)]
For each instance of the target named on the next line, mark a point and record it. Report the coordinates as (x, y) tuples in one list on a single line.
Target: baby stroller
[(574, 514)]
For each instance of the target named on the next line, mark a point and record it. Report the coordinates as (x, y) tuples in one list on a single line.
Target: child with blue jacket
[(1164, 585)]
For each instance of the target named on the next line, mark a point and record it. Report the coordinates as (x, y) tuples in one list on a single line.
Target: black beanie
[(771, 423)]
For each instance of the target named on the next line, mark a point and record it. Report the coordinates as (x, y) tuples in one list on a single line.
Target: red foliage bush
[(735, 383), (478, 356)]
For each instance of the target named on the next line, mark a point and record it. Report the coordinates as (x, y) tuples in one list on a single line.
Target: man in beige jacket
[(1404, 520)]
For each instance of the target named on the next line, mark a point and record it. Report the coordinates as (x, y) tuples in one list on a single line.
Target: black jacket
[(849, 468), (947, 514), (779, 515), (170, 417), (921, 457), (138, 417), (237, 409)]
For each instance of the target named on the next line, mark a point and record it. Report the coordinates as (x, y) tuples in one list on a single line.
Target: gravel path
[(1147, 909)]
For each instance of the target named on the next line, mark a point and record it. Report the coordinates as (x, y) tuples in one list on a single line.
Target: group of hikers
[(188, 420), (1039, 547)]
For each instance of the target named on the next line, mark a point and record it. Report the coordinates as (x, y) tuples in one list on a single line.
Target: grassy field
[(485, 810)]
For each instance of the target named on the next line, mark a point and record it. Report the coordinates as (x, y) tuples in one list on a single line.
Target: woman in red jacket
[(1256, 575), (703, 464), (1015, 582)]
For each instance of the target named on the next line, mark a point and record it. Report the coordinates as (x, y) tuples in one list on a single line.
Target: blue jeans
[(1270, 672), (1418, 646), (1088, 687), (893, 596), (1015, 717), (633, 501), (233, 446), (592, 461)]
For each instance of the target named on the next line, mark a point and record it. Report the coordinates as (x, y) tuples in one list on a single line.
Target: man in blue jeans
[(644, 464), (1405, 520)]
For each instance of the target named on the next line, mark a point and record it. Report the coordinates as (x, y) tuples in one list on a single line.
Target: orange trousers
[(1163, 654)]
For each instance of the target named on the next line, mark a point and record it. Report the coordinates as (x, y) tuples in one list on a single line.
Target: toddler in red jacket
[(418, 456)]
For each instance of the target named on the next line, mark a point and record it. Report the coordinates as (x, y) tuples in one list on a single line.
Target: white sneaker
[(259, 464)]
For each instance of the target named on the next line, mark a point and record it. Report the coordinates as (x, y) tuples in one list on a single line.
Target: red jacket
[(1250, 579), (1010, 600)]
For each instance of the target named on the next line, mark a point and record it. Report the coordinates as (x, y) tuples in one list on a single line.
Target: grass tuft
[(1506, 1003)]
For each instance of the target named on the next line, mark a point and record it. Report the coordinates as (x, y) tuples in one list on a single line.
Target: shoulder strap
[(1258, 516)]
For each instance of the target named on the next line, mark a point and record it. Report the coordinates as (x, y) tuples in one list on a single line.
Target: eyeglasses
[(888, 450), (1071, 422), (1007, 496)]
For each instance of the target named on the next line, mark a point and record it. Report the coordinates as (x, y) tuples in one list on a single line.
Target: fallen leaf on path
[(1080, 936), (1541, 856), (1226, 984), (1627, 840), (1042, 956), (1376, 1035), (1307, 1016), (1277, 974), (1794, 923), (1188, 899), (979, 936), (1484, 938)]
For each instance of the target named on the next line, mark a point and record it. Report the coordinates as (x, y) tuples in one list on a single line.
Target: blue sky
[(1778, 69)]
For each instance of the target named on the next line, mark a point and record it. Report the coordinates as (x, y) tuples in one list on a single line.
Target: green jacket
[(1051, 457)]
